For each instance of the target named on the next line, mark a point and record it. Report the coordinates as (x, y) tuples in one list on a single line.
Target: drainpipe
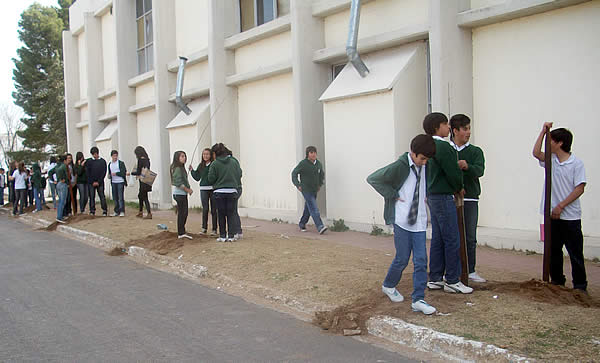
[(179, 90), (351, 50)]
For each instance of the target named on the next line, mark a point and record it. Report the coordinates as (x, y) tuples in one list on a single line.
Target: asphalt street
[(61, 300)]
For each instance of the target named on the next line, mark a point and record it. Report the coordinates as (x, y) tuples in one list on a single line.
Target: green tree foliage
[(39, 80)]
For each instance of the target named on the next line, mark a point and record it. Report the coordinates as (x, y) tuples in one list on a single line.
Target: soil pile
[(353, 316), (71, 220), (543, 292), (117, 251), (164, 242)]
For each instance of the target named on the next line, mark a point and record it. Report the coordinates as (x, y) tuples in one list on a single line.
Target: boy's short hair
[(114, 152), (424, 145), (94, 150), (433, 121), (62, 158), (310, 149), (459, 120), (1, 169), (563, 135), (53, 159)]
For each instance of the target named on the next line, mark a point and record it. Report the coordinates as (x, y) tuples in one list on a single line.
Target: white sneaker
[(60, 220), (115, 214), (220, 239), (323, 230), (122, 214), (203, 231), (231, 239), (436, 285), (302, 229), (213, 233), (457, 288), (238, 236), (392, 293), (423, 307), (474, 276), (185, 236)]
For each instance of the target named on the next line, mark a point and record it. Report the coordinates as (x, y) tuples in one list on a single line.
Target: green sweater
[(61, 172), (81, 174), (311, 176), (443, 174), (225, 172), (387, 181), (201, 175), (36, 178), (473, 155), (179, 178)]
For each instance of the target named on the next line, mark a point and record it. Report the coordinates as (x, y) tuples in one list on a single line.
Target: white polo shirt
[(566, 176), (406, 195)]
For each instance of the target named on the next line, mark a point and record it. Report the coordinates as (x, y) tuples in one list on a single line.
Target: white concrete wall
[(109, 50), (110, 104), (144, 93), (105, 147), (475, 4), (253, 56), (376, 17), (195, 76), (267, 151), (353, 127), (527, 71), (192, 25), (83, 81), (84, 114), (85, 138), (146, 132)]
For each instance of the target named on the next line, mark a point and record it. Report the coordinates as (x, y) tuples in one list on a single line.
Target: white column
[(95, 74), (451, 52), (310, 81), (71, 67)]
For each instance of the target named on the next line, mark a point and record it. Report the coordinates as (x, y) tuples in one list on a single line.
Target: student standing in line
[(224, 175), (236, 215), (52, 180), (72, 187), (312, 177), (29, 199), (38, 192), (2, 185), (11, 183), (403, 187), (61, 187), (117, 174), (19, 177), (206, 191), (181, 189), (568, 185), (472, 163), (82, 184), (143, 161), (95, 169), (444, 180)]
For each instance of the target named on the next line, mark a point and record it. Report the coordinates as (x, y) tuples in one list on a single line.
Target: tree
[(39, 79), (10, 125)]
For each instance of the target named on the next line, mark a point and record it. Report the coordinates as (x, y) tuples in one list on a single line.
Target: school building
[(269, 77)]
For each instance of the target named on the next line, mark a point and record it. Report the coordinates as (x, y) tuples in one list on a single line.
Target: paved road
[(61, 300)]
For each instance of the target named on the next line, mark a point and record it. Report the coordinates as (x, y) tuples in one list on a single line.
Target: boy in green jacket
[(444, 180), (312, 176), (403, 186), (472, 163), (38, 192)]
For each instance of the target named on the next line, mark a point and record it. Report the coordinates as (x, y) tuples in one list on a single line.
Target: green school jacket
[(473, 155), (387, 181), (36, 178), (122, 171), (201, 175), (224, 172), (180, 178), (443, 174), (311, 175)]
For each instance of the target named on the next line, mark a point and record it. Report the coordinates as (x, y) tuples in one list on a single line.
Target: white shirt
[(2, 181), (20, 179), (566, 176), (406, 193), (114, 168)]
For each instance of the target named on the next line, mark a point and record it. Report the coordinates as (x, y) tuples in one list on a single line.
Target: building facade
[(269, 77)]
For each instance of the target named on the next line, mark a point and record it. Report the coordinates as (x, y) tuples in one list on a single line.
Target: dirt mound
[(352, 316), (543, 292), (117, 251), (71, 220), (164, 242)]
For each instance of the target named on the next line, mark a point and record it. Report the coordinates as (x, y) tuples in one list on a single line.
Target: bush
[(378, 231), (339, 226)]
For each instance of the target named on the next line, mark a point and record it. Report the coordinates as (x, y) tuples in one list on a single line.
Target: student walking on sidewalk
[(117, 174), (19, 178), (95, 169), (181, 190), (312, 177), (142, 162), (206, 191)]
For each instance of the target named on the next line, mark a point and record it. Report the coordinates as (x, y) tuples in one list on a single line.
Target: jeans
[(310, 210), (62, 190), (30, 198), (92, 195), (567, 233), (444, 254), (20, 198), (83, 196), (68, 210), (182, 212), (53, 192), (208, 199), (225, 207), (2, 196), (471, 211), (38, 195), (236, 215), (405, 241), (118, 190)]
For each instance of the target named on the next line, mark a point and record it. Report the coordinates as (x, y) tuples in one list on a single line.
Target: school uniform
[(118, 184), (52, 182), (38, 192), (82, 186), (95, 170), (206, 195), (224, 174), (20, 185), (2, 186), (179, 179), (311, 179), (566, 231), (62, 189)]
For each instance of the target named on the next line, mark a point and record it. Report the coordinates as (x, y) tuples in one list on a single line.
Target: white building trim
[(192, 58), (324, 8), (142, 107), (141, 79), (266, 30), (259, 74), (104, 94)]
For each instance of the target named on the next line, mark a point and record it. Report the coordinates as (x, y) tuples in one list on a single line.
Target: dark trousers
[(20, 199), (83, 196), (29, 200), (1, 195), (471, 211), (182, 212), (225, 207), (118, 195), (69, 206), (143, 199), (236, 215), (11, 192), (207, 198), (92, 192), (568, 234)]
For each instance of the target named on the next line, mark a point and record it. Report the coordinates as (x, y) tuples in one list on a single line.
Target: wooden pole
[(460, 211), (547, 207)]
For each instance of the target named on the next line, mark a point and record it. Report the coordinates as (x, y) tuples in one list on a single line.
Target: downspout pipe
[(179, 90), (351, 46)]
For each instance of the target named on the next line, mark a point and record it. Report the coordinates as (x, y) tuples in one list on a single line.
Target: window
[(257, 12), (144, 36), (336, 70)]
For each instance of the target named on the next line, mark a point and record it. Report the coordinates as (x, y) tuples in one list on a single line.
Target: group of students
[(26, 187)]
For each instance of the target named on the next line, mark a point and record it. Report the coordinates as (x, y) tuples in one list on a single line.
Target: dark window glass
[(139, 8), (149, 58), (148, 33), (265, 11), (147, 5), (142, 61)]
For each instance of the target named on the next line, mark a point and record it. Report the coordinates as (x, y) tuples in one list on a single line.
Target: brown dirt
[(117, 251), (165, 242), (72, 220)]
